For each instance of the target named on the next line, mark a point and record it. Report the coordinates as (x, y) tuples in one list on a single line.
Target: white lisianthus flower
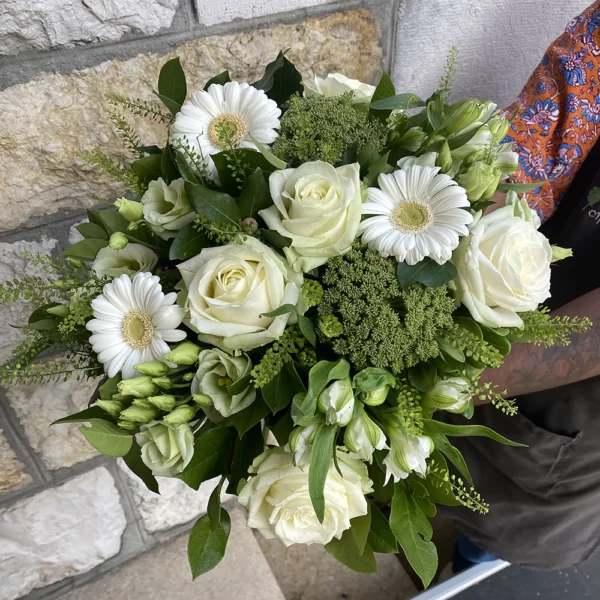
[(226, 116), (336, 84), (452, 394), (166, 449), (418, 212), (167, 208), (133, 321), (337, 402), (503, 267), (228, 288), (217, 370), (425, 160), (318, 207), (407, 454), (134, 258), (279, 505), (362, 437)]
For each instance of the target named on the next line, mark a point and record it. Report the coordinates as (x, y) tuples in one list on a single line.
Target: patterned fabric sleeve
[(557, 115)]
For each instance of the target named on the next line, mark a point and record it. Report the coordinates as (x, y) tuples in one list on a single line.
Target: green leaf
[(172, 85), (85, 249), (237, 387), (385, 89), (250, 416), (206, 545), (215, 205), (212, 450), (245, 451), (470, 325), (320, 461), (359, 528), (303, 408), (255, 195), (284, 309), (518, 187), (93, 217), (269, 156), (43, 324), (450, 350), (372, 378), (274, 238), (307, 327), (399, 101), (423, 376), (468, 431), (41, 313), (412, 529), (279, 392), (188, 242), (187, 172), (381, 539), (109, 387), (112, 221), (248, 159), (435, 111), (213, 509), (91, 231), (376, 169), (168, 167), (173, 106), (148, 168), (344, 551), (439, 491), (453, 454), (381, 491), (94, 412), (281, 80), (495, 339), (220, 79), (427, 272), (282, 428), (133, 460), (107, 438), (153, 149)]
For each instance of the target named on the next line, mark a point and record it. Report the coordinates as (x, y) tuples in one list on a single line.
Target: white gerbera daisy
[(419, 213), (133, 321), (224, 116)]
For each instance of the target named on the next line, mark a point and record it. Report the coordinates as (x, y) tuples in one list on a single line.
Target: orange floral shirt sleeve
[(557, 115)]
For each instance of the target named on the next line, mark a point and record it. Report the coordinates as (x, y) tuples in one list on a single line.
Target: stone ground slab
[(12, 471), (244, 573)]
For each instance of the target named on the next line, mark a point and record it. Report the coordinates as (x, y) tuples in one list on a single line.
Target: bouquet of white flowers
[(299, 280)]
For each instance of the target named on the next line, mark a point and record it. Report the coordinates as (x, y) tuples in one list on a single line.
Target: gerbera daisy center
[(137, 329), (412, 216), (227, 131)]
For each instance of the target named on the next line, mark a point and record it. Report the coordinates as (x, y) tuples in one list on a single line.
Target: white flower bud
[(362, 437), (452, 394), (337, 402)]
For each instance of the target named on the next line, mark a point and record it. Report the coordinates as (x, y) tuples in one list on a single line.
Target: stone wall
[(68, 514)]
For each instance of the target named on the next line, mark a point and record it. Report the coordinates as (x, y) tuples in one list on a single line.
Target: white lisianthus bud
[(130, 209), (164, 383), (153, 368), (163, 402), (407, 454), (452, 394), (112, 407), (480, 181), (300, 443), (166, 449), (278, 500), (118, 241), (337, 402), (182, 414), (466, 115), (184, 354), (559, 253), (202, 400), (138, 387), (362, 437), (376, 397), (138, 414)]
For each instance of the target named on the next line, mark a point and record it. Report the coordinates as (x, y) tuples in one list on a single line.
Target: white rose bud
[(166, 449), (279, 504), (407, 454), (132, 259), (452, 394), (362, 437), (337, 402), (318, 207), (336, 84)]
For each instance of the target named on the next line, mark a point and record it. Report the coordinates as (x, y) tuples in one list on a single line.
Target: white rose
[(318, 207), (166, 449), (134, 258), (167, 208), (229, 287), (503, 268), (279, 504), (217, 370), (336, 84)]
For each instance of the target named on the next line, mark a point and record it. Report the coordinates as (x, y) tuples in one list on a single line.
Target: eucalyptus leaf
[(427, 272), (320, 461), (107, 437)]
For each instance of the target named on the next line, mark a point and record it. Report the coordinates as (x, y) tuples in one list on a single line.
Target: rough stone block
[(60, 532), (47, 121), (39, 405), (44, 24), (12, 471)]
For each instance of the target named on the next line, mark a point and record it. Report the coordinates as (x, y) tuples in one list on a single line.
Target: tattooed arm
[(529, 368)]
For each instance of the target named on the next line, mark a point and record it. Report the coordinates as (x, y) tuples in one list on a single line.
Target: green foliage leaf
[(427, 272), (282, 428), (237, 165), (518, 187), (495, 339), (213, 509), (307, 327), (133, 459), (320, 461), (91, 231), (284, 309), (269, 156), (172, 86), (372, 378), (359, 528), (206, 544), (274, 238), (148, 168), (439, 491), (278, 393), (237, 387), (250, 416), (435, 110), (399, 101), (470, 325), (109, 387), (107, 437), (377, 475), (380, 166), (255, 195), (184, 168), (432, 426), (111, 221), (188, 242), (168, 166), (381, 539), (281, 80), (452, 351), (94, 412), (245, 451), (220, 79), (385, 89), (215, 205), (423, 376), (412, 529), (212, 450), (453, 454), (85, 249), (345, 551)]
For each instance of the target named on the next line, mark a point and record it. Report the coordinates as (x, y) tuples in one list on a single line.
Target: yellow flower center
[(137, 329), (412, 216), (227, 131)]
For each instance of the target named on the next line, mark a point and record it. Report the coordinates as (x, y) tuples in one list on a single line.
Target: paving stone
[(60, 532), (12, 471)]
